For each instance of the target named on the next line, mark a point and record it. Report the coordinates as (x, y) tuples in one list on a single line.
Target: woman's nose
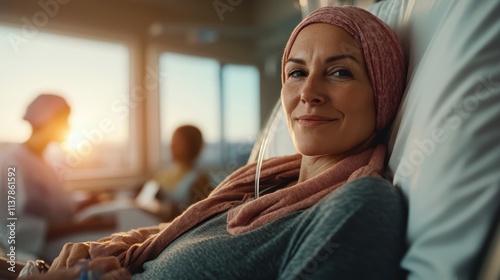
[(312, 93)]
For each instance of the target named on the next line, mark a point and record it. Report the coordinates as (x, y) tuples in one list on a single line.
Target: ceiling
[(239, 28)]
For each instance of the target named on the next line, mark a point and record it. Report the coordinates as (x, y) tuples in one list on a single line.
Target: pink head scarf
[(44, 108), (382, 51)]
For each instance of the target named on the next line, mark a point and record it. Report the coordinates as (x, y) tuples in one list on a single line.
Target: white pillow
[(445, 142)]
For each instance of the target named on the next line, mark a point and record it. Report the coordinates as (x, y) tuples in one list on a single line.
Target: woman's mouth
[(314, 120)]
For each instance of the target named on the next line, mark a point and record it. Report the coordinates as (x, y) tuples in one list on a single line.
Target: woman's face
[(179, 148), (57, 128), (327, 93)]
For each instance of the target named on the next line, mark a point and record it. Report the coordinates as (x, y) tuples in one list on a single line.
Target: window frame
[(155, 50)]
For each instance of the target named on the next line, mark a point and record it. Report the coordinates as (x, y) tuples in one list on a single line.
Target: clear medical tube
[(270, 126)]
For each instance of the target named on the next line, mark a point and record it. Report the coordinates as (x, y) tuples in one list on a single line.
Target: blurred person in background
[(43, 207), (183, 183)]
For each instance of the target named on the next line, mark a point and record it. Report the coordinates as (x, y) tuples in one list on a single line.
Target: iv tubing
[(263, 146)]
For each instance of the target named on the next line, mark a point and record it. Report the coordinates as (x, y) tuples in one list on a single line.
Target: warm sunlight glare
[(73, 139)]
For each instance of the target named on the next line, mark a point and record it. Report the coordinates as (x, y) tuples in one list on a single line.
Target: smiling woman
[(327, 95), (325, 212)]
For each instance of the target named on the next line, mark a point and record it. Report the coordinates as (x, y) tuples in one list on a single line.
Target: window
[(221, 99), (241, 120), (92, 75)]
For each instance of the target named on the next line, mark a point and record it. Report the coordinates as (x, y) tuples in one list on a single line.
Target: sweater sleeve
[(118, 243)]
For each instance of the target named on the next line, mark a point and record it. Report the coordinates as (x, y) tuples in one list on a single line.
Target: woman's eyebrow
[(295, 60), (327, 60), (340, 56)]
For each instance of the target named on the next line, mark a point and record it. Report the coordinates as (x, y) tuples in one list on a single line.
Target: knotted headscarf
[(44, 108), (382, 51)]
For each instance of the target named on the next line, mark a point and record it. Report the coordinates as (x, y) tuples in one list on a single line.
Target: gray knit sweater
[(355, 232)]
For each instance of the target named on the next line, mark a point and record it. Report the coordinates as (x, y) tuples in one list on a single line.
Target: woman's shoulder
[(365, 194), (359, 229), (368, 188)]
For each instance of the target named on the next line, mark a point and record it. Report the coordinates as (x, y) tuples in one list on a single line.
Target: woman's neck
[(313, 165), (36, 144)]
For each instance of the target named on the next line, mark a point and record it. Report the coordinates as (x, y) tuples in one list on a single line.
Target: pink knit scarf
[(138, 246)]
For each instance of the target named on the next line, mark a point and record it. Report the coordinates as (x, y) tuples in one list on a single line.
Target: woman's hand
[(110, 269), (70, 254), (107, 268)]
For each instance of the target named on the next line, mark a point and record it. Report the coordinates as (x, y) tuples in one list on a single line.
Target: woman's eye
[(296, 73), (343, 73)]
